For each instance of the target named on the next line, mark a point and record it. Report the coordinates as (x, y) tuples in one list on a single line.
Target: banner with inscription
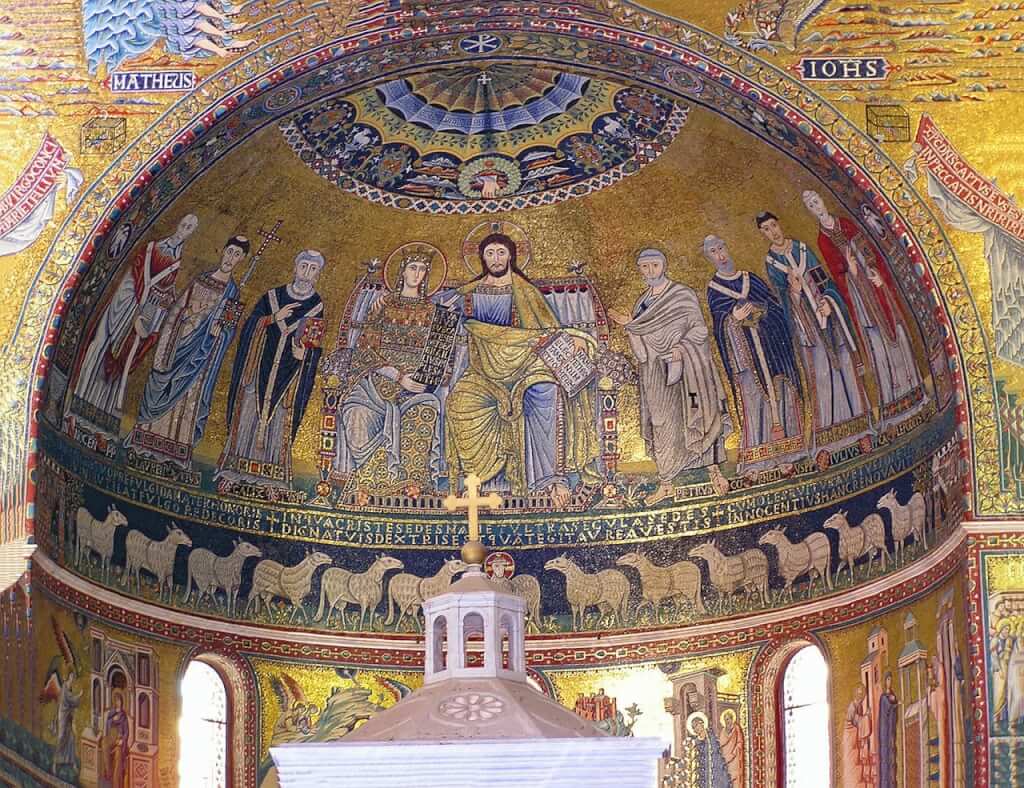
[(27, 207), (973, 203)]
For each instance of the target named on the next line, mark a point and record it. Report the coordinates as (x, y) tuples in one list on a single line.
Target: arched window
[(440, 644), (805, 745), (473, 631), (203, 728), (508, 658)]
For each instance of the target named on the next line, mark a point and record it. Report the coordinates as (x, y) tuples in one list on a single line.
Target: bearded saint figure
[(272, 378), (684, 417), (126, 329), (507, 419)]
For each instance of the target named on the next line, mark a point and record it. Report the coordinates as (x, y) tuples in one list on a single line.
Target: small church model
[(476, 718)]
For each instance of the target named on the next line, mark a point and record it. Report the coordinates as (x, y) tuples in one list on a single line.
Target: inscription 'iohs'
[(473, 551)]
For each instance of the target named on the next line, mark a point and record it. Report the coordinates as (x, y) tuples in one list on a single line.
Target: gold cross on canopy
[(472, 502)]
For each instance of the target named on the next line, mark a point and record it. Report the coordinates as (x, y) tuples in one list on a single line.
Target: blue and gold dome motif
[(481, 139)]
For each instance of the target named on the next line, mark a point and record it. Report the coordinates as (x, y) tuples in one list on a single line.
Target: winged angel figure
[(774, 22), (59, 688), (303, 721)]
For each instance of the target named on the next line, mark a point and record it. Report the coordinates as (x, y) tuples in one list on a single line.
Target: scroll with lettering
[(29, 204), (435, 361), (973, 203)]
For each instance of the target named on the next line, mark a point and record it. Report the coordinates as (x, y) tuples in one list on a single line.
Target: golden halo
[(692, 717), (727, 713), (438, 265), (470, 247)]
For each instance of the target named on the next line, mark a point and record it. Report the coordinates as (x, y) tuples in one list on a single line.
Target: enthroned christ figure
[(193, 341), (391, 431), (507, 419)]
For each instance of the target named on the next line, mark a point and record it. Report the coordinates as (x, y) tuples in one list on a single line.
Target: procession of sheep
[(667, 594)]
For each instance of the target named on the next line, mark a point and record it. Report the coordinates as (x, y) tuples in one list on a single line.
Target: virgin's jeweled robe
[(377, 414)]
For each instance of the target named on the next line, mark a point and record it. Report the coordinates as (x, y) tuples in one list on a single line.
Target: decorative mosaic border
[(980, 541), (404, 652), (188, 121)]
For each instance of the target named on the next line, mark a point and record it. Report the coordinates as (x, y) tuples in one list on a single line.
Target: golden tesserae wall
[(721, 300)]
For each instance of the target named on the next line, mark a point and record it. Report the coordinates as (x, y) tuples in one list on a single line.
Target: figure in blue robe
[(272, 378), (888, 726), (757, 352), (190, 351), (507, 419), (821, 325), (710, 770)]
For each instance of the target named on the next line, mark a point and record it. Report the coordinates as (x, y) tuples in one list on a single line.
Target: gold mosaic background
[(958, 61), (692, 190)]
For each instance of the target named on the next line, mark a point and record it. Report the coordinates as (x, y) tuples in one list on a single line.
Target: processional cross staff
[(473, 551), (268, 236), (232, 309)]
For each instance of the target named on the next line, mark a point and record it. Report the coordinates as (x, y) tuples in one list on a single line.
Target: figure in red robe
[(126, 329), (868, 289)]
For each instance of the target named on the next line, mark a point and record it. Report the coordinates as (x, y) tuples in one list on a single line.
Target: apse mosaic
[(295, 269), (495, 135), (740, 389)]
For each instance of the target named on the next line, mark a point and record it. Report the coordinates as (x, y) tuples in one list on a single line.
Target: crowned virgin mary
[(390, 420)]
